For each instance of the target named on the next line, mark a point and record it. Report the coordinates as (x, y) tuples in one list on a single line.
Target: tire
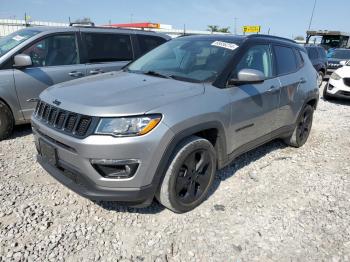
[(302, 129), (320, 78), (6, 121), (325, 94), (187, 182)]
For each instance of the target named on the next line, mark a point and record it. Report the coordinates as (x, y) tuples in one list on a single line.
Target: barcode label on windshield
[(230, 46)]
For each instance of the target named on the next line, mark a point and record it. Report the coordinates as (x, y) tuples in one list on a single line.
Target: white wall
[(7, 26)]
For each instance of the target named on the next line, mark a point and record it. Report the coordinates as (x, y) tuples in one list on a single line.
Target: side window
[(312, 52), (54, 51), (286, 60), (108, 47), (258, 57), (147, 42)]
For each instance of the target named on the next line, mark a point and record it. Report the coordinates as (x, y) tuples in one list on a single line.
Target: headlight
[(335, 76), (128, 126)]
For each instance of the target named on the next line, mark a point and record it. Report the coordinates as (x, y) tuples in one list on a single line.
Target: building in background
[(7, 26), (163, 28)]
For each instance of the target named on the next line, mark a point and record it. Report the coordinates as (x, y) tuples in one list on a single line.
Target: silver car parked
[(169, 120), (35, 58)]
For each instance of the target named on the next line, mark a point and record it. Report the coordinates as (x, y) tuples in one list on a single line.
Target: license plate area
[(48, 152)]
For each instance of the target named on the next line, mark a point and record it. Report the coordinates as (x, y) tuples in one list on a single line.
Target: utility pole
[(312, 14), (235, 30)]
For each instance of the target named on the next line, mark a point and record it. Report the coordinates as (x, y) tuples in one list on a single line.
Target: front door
[(254, 106), (55, 59)]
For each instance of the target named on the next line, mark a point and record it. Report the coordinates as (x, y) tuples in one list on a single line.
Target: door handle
[(96, 71), (272, 89), (303, 80), (76, 74), (33, 100)]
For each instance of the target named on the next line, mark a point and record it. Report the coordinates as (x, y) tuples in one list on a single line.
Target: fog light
[(118, 169), (330, 87)]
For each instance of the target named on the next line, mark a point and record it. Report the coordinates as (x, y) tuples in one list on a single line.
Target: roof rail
[(82, 24), (271, 36)]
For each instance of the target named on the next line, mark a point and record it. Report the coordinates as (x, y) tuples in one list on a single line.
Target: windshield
[(199, 60), (339, 54), (11, 41)]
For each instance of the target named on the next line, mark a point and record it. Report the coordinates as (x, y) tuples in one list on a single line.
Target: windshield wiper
[(155, 73)]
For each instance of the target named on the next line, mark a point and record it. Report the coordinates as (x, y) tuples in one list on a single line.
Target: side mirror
[(22, 60), (343, 63), (248, 76)]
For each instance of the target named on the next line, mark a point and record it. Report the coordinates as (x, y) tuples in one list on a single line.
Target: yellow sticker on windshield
[(230, 46)]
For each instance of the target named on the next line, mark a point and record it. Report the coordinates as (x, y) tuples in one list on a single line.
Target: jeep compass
[(163, 125)]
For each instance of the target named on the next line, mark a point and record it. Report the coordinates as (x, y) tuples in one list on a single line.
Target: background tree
[(299, 38), (224, 30), (215, 28)]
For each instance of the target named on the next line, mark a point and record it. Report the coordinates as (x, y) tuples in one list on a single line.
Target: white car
[(338, 85)]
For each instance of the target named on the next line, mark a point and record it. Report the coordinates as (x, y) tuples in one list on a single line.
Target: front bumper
[(75, 170), (82, 186), (337, 88)]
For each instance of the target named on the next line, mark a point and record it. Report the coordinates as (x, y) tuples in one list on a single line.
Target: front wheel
[(325, 94), (6, 121), (302, 129), (189, 175), (320, 78)]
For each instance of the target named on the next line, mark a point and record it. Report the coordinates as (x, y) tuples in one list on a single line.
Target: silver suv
[(169, 120), (35, 58)]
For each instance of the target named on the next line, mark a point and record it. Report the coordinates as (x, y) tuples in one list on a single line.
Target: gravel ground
[(273, 204)]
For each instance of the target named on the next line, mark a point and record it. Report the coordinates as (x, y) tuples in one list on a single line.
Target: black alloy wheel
[(193, 177), (304, 126)]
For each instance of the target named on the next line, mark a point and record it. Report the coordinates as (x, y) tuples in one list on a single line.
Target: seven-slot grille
[(71, 123)]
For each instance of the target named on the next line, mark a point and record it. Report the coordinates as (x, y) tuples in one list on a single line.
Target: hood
[(343, 72), (119, 93)]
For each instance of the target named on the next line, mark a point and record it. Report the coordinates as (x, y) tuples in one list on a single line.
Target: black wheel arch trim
[(220, 148)]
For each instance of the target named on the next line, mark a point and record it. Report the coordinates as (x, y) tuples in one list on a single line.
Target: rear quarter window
[(299, 58), (286, 60)]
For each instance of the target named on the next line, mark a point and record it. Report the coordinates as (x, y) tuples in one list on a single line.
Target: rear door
[(254, 106), (289, 68), (106, 51), (55, 59)]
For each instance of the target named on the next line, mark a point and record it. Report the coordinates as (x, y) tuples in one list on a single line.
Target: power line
[(312, 14)]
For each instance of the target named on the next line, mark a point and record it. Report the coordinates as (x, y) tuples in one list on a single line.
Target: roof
[(241, 38), (93, 28)]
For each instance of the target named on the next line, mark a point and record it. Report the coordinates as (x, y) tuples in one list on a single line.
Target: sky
[(282, 17)]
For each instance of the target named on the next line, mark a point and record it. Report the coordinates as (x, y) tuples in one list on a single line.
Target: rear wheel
[(6, 121), (189, 175), (302, 129)]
